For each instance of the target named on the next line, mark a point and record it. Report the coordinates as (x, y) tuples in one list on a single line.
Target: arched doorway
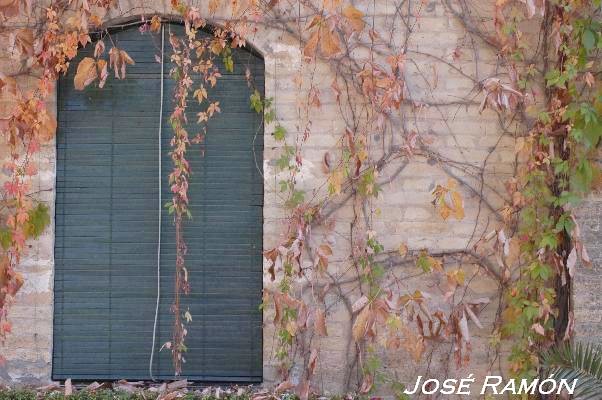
[(107, 225)]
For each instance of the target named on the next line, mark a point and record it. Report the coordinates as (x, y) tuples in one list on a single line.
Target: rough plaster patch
[(284, 51), (37, 283)]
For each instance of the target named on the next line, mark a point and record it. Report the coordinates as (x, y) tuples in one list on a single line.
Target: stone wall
[(588, 280), (402, 213)]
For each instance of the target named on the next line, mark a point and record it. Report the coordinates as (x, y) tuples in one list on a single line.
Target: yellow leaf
[(86, 73), (291, 327), (458, 205), (335, 182), (456, 277), (435, 263), (444, 211), (403, 249), (448, 201)]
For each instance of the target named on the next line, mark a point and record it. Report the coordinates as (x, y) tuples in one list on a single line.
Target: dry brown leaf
[(360, 326), (68, 387), (367, 383), (535, 7), (414, 344), (539, 329), (463, 327), (182, 383), (499, 95), (313, 360), (589, 79), (302, 389), (473, 316), (302, 316), (119, 59), (103, 72), (320, 323), (86, 73), (9, 8), (99, 49), (23, 42), (359, 304), (284, 386)]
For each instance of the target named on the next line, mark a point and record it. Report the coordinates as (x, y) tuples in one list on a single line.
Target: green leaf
[(423, 262), (592, 133), (39, 219), (588, 40), (256, 103), (6, 238), (283, 162), (296, 198), (279, 133), (548, 240), (583, 175), (578, 363), (565, 223), (540, 270)]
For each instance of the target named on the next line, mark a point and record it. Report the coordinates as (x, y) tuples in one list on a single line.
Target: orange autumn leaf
[(329, 43), (155, 24), (311, 46), (213, 5), (8, 84), (322, 38), (354, 17), (47, 127), (331, 5)]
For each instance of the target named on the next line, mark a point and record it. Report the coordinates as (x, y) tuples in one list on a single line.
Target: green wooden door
[(107, 211)]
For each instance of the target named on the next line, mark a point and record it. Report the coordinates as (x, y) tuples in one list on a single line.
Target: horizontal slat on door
[(107, 226)]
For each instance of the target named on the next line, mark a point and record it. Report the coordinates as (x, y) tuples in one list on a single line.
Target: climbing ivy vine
[(547, 84)]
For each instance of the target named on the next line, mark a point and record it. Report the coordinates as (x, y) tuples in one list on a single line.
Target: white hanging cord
[(152, 355)]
